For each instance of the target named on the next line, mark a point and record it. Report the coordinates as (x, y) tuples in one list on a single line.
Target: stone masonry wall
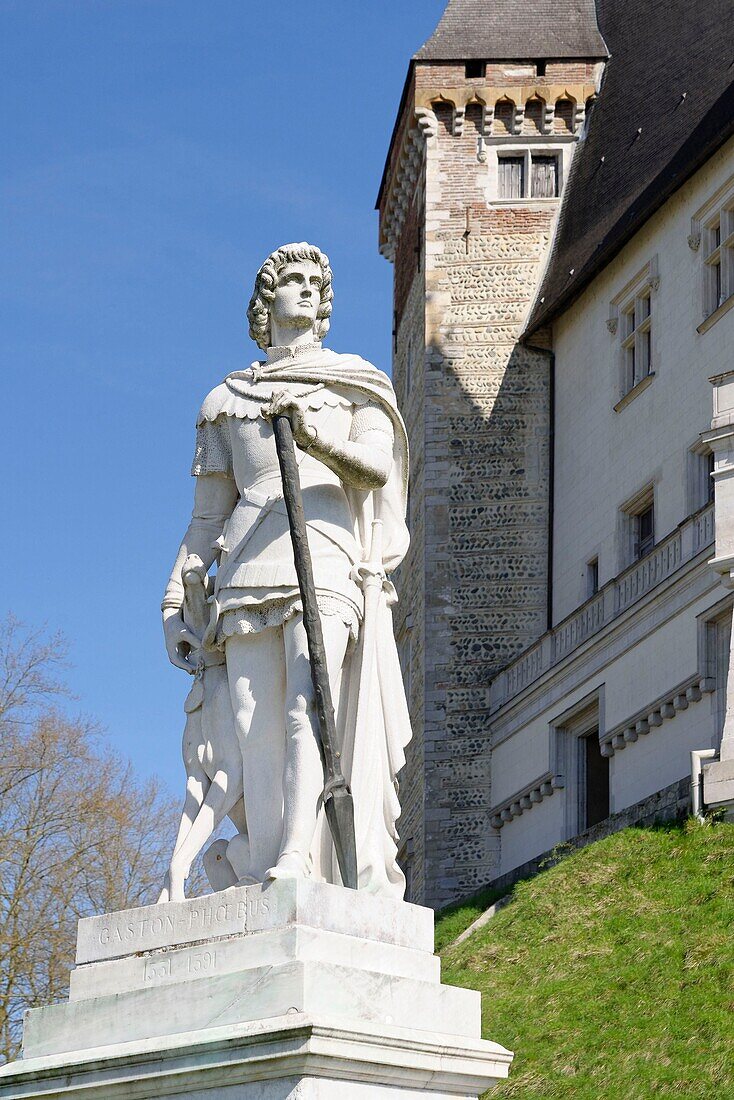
[(409, 615), (485, 502), (473, 589)]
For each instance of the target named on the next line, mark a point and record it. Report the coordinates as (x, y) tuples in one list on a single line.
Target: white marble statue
[(250, 745)]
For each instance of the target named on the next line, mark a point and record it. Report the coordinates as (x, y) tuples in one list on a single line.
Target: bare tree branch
[(79, 832)]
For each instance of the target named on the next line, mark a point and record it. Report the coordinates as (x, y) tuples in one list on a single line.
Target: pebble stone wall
[(473, 590)]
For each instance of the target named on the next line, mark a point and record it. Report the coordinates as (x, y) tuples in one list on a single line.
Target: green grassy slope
[(612, 974)]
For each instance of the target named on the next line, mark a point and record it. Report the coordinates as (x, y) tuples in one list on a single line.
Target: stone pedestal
[(296, 990)]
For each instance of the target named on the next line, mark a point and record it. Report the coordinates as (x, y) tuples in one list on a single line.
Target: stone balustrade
[(685, 543)]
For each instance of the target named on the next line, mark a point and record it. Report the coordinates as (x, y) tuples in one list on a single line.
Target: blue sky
[(155, 151)]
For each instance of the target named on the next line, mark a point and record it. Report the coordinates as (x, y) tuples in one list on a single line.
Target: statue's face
[(297, 295)]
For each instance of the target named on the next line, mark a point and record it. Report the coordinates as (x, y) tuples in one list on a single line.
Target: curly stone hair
[(258, 311)]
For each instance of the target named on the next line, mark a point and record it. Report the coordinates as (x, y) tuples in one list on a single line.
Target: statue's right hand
[(180, 641)]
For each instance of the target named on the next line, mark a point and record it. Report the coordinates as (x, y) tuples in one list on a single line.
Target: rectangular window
[(699, 477), (544, 177), (474, 70), (718, 259), (631, 320), (592, 578), (511, 172), (645, 531), (712, 236), (637, 527), (712, 261), (637, 340)]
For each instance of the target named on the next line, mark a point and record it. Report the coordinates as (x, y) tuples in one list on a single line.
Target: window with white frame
[(638, 521), (526, 174), (644, 530), (700, 477), (637, 340), (712, 235), (718, 260), (631, 320)]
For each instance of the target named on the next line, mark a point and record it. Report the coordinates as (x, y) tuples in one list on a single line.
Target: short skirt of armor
[(242, 614)]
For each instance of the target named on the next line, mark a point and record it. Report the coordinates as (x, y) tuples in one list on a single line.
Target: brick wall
[(452, 74)]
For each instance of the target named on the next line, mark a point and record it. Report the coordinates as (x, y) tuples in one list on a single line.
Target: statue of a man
[(353, 467)]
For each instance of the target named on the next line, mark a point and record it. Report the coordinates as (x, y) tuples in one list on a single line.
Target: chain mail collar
[(278, 354)]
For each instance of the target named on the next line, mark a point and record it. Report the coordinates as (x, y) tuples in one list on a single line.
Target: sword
[(338, 802)]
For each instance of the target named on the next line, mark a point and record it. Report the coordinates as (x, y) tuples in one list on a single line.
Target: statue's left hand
[(285, 404)]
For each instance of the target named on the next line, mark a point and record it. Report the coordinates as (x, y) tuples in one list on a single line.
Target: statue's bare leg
[(257, 679), (303, 781)]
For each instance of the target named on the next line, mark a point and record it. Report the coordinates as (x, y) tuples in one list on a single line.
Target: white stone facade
[(645, 658)]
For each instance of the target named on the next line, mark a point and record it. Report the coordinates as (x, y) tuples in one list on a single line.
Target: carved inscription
[(208, 918), (172, 967)]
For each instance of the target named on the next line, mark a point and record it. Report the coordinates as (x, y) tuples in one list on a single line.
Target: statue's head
[(293, 287)]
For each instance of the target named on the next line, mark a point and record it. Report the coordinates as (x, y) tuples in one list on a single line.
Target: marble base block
[(283, 991)]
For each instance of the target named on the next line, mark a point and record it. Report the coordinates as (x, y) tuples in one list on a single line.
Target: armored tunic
[(256, 585)]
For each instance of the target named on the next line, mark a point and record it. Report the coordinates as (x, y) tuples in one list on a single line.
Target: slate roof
[(507, 30), (672, 74)]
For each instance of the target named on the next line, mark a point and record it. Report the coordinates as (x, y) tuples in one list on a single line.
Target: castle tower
[(493, 106)]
